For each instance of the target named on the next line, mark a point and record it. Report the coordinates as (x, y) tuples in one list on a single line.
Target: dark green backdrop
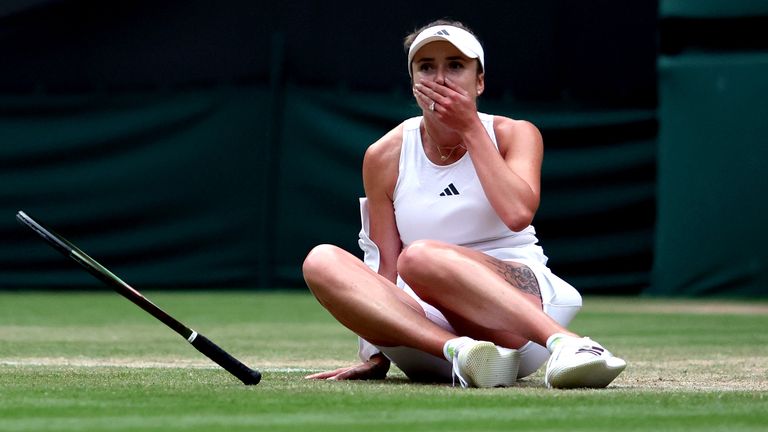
[(211, 188), (712, 185), (189, 144)]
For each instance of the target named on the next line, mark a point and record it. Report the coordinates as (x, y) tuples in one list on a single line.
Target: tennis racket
[(245, 374)]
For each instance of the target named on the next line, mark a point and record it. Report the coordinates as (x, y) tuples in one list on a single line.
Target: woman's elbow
[(520, 219)]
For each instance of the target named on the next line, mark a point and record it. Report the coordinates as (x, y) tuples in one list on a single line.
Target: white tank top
[(447, 203)]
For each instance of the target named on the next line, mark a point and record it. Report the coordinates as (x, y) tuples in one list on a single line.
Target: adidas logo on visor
[(443, 32)]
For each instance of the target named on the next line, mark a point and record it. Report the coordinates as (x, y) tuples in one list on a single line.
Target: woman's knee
[(319, 262), (420, 257)]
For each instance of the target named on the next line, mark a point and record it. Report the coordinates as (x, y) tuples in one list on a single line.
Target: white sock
[(554, 339), (452, 346)]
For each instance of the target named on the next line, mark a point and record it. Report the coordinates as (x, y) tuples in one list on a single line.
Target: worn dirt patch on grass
[(674, 306), (731, 374), (287, 366)]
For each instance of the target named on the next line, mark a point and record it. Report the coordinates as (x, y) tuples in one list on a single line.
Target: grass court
[(92, 361)]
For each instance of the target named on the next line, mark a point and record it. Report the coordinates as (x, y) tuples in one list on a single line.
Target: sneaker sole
[(484, 366), (595, 374)]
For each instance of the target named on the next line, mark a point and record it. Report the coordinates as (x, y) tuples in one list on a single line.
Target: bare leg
[(368, 304), (482, 297)]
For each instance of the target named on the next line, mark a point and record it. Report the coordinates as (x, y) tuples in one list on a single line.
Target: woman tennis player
[(453, 285)]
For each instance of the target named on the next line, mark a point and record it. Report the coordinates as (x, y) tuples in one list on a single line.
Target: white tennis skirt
[(560, 301)]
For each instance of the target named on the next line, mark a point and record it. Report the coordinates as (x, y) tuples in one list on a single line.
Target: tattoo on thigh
[(519, 276)]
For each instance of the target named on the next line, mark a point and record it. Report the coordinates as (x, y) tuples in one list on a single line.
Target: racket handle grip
[(245, 374)]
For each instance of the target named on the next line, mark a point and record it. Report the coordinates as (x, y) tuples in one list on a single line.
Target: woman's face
[(437, 60)]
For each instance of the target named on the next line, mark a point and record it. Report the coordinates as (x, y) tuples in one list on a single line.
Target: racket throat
[(192, 337)]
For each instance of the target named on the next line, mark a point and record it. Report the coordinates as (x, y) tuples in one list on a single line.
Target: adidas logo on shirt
[(450, 191)]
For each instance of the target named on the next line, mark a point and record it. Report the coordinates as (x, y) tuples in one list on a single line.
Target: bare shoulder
[(380, 164), (520, 129), (385, 148), (517, 134)]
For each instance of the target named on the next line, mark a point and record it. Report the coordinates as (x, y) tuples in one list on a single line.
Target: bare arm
[(380, 169), (510, 175)]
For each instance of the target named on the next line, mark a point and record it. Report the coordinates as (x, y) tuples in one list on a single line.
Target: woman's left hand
[(374, 369)]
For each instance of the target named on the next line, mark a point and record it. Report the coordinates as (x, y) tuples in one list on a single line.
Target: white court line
[(132, 363)]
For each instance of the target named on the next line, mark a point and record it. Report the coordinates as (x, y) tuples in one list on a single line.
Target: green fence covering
[(713, 184), (712, 8), (231, 186), (189, 145), (166, 185), (196, 144)]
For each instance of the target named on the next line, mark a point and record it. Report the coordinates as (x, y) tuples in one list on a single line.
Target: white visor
[(461, 39)]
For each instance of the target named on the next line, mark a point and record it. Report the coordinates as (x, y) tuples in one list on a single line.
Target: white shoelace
[(456, 373)]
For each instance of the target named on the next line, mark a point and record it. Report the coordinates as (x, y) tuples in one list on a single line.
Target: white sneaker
[(582, 362), (483, 364)]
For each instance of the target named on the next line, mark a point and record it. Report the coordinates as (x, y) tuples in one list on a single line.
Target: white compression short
[(559, 300)]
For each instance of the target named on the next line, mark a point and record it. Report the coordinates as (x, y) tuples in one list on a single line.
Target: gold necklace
[(443, 158)]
